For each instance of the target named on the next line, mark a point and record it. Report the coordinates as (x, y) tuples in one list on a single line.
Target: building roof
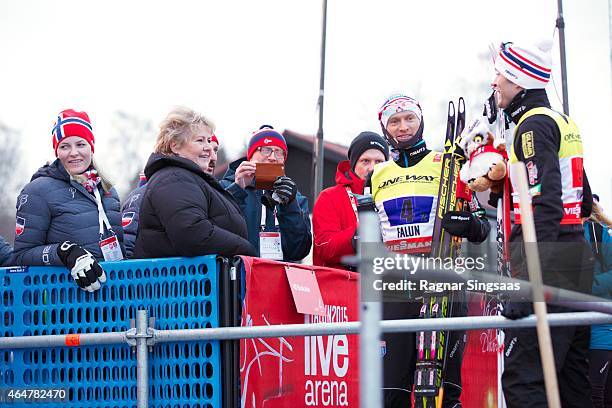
[(334, 151)]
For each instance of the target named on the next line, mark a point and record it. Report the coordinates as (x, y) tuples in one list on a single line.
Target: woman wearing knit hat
[(185, 211), (278, 221), (549, 144), (69, 213), (334, 216)]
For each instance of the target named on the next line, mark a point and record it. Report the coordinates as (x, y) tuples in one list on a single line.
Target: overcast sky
[(244, 63)]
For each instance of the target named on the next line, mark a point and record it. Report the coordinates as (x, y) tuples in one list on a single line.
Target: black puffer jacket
[(186, 212)]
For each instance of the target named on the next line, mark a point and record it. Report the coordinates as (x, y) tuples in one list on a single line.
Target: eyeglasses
[(267, 151)]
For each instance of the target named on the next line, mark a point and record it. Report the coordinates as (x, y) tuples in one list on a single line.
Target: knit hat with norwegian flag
[(72, 123), (528, 66), (266, 136)]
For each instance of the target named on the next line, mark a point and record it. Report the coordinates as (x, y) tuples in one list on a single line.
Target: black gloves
[(268, 201), (284, 190), (517, 310), (84, 268), (494, 198), (464, 224), (490, 109)]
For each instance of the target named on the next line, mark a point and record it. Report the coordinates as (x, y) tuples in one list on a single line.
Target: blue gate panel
[(179, 293)]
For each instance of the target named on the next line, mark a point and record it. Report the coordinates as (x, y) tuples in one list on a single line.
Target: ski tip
[(493, 50)]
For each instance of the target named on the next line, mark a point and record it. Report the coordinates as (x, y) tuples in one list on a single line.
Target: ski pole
[(535, 276)]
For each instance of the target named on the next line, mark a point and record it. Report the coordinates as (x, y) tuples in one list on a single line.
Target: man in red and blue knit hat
[(278, 220)]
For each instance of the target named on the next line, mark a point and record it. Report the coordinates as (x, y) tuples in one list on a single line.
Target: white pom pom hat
[(528, 66)]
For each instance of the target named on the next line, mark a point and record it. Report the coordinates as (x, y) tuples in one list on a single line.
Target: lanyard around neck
[(264, 214), (102, 218), (353, 201)]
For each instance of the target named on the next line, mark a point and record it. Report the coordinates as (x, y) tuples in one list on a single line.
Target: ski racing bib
[(570, 166), (406, 200)]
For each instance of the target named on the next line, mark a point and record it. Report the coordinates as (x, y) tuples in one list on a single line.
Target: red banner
[(481, 358), (323, 371), (312, 371)]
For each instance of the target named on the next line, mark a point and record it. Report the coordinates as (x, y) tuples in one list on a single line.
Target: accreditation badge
[(111, 250), (270, 245)]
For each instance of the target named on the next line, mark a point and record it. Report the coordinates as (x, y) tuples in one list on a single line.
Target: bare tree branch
[(11, 178)]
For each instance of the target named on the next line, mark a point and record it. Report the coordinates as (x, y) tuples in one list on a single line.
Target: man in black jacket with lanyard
[(549, 144)]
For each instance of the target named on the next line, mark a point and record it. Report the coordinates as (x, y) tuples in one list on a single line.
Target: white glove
[(84, 268)]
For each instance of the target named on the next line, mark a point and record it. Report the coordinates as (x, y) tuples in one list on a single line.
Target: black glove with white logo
[(284, 190), (517, 310), (462, 224), (84, 268)]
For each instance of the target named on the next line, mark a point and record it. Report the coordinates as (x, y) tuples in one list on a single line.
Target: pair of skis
[(432, 346), (431, 353), (503, 253)]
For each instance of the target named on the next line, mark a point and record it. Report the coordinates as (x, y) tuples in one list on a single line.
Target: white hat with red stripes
[(528, 66)]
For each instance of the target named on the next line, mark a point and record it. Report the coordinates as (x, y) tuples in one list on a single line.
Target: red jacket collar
[(346, 177)]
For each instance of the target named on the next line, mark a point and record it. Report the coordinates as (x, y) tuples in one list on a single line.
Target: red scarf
[(92, 180)]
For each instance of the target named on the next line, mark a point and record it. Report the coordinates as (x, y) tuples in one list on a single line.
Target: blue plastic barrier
[(180, 293)]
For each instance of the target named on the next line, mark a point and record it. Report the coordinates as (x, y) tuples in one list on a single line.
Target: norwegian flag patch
[(19, 225), (126, 219)]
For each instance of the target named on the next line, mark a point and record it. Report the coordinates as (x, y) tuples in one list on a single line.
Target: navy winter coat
[(293, 218), (186, 212), (130, 219), (52, 209)]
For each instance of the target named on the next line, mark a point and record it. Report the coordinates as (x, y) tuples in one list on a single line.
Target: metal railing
[(143, 337)]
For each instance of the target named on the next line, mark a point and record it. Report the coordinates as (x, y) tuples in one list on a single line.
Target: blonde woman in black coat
[(185, 211)]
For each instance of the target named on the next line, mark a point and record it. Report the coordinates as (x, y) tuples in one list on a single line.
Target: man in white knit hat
[(549, 144)]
